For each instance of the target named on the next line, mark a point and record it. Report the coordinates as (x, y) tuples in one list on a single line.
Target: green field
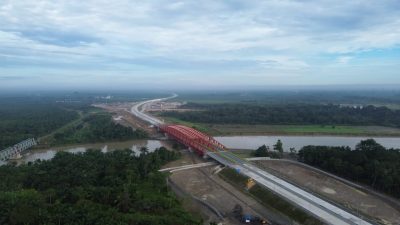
[(322, 129), (201, 127), (245, 129), (306, 130)]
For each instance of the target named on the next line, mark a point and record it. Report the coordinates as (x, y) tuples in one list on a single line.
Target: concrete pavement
[(324, 210), (314, 205), (138, 110)]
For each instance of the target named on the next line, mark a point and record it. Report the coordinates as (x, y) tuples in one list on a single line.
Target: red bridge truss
[(197, 141)]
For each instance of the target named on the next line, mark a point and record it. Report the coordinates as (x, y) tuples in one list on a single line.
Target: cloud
[(12, 78), (183, 37), (344, 59)]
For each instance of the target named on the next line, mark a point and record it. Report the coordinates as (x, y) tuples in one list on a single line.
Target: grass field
[(201, 127), (322, 129), (307, 130), (245, 129)]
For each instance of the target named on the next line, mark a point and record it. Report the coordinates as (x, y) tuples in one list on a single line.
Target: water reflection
[(253, 142), (46, 154), (235, 142)]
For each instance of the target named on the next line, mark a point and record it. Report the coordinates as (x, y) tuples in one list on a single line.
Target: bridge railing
[(17, 149), (192, 138)]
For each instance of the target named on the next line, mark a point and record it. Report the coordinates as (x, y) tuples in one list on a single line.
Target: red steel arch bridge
[(192, 138), (205, 145)]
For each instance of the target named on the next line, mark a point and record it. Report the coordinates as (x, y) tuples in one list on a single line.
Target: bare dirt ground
[(334, 190), (210, 188), (167, 106), (122, 115)]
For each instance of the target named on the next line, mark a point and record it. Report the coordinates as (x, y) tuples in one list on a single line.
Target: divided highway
[(315, 205), (138, 110), (320, 208)]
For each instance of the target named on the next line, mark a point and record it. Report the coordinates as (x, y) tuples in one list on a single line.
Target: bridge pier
[(15, 156), (15, 151)]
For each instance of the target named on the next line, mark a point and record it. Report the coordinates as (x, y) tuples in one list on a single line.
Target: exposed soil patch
[(121, 113), (334, 190), (328, 190), (203, 184)]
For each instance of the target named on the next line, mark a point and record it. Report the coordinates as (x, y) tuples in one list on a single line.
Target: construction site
[(219, 201)]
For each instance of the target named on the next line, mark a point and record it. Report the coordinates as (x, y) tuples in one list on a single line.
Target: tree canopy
[(369, 163), (264, 151), (288, 114), (95, 128), (20, 121), (91, 188)]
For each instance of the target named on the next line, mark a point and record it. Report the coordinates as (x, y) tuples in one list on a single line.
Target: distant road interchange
[(138, 110)]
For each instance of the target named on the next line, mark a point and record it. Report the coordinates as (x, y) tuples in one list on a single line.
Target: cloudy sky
[(123, 43)]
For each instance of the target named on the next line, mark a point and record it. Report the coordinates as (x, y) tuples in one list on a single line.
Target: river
[(253, 142), (234, 142), (49, 153)]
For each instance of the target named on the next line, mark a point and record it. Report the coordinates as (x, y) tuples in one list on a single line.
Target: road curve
[(322, 209), (138, 109)]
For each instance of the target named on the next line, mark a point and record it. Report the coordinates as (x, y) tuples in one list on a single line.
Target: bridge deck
[(17, 149), (197, 141), (206, 145)]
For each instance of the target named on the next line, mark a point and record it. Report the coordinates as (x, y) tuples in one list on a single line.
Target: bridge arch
[(196, 140)]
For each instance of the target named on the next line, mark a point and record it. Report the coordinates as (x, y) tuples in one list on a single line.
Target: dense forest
[(91, 188), (369, 163), (23, 117), (321, 95), (292, 114), (95, 128), (21, 120)]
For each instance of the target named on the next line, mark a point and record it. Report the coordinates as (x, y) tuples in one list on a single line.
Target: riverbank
[(94, 126), (252, 142), (301, 130), (99, 144), (290, 130), (241, 145), (49, 152)]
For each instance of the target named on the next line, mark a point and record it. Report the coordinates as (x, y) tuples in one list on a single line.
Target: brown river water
[(234, 142), (45, 154)]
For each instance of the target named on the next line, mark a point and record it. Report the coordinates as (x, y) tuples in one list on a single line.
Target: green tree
[(279, 146), (262, 151), (369, 145), (116, 187), (292, 151), (369, 163)]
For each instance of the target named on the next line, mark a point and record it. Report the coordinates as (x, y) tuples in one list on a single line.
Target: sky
[(190, 44)]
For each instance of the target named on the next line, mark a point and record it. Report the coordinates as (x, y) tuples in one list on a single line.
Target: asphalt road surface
[(324, 210), (138, 110)]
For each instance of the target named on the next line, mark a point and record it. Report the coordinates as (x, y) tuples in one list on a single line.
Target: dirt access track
[(204, 184), (125, 117), (328, 187)]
